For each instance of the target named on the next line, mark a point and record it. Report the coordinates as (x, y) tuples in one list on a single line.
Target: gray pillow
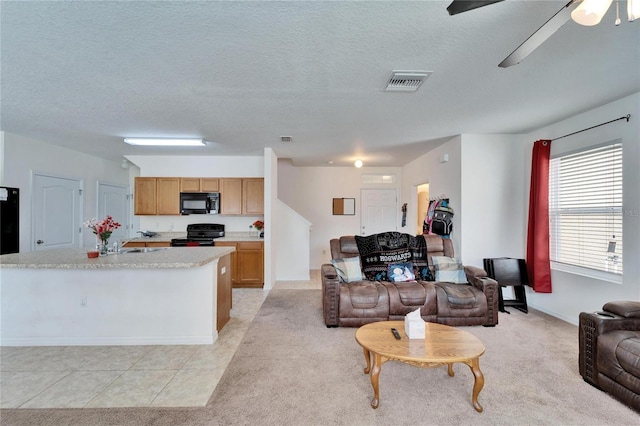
[(348, 269)]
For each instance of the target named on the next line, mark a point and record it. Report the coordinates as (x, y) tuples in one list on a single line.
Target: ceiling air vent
[(286, 139), (406, 81)]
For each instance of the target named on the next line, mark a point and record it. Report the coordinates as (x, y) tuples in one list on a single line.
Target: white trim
[(587, 272), (109, 341)]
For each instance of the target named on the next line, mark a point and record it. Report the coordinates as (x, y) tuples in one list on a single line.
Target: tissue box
[(415, 329)]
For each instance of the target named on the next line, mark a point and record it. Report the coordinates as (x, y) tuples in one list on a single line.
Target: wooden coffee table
[(443, 345)]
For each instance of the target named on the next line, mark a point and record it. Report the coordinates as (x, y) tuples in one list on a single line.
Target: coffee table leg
[(375, 375), (367, 357), (477, 384), (450, 369)]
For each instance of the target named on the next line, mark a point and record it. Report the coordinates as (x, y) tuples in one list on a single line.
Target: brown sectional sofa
[(358, 303), (609, 356)]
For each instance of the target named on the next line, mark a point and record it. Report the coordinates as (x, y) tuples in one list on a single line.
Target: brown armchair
[(609, 350)]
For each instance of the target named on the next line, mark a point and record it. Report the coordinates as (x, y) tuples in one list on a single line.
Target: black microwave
[(199, 203)]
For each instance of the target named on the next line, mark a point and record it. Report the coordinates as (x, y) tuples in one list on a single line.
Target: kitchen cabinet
[(161, 195), (242, 196), (145, 189), (224, 291), (253, 196), (231, 196), (199, 184), (247, 263), (156, 196), (168, 196)]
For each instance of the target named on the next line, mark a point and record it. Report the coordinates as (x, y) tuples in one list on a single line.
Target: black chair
[(509, 272)]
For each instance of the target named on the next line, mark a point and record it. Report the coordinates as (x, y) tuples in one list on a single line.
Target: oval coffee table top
[(442, 343)]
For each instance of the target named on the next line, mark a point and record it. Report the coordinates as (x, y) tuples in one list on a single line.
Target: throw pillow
[(348, 269), (377, 251), (401, 272), (449, 269)]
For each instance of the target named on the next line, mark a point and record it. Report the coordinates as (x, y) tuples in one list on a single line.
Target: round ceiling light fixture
[(358, 163)]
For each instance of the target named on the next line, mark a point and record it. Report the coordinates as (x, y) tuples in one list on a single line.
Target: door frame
[(32, 182)]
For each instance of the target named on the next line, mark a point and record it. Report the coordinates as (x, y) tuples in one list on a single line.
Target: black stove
[(199, 234)]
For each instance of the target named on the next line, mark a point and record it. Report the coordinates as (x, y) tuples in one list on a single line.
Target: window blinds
[(585, 208)]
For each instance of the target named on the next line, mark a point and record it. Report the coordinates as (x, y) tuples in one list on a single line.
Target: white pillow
[(449, 269), (348, 269)]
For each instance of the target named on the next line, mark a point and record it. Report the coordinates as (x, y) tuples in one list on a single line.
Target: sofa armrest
[(330, 295), (590, 327), (478, 278)]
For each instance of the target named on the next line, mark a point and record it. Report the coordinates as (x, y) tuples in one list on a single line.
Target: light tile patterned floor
[(129, 376)]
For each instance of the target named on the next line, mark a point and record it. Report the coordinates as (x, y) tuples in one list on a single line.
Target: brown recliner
[(609, 350), (356, 304)]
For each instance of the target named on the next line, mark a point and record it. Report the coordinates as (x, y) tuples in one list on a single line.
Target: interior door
[(113, 200), (56, 212), (379, 211)]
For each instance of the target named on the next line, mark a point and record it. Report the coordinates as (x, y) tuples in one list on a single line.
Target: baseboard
[(108, 341)]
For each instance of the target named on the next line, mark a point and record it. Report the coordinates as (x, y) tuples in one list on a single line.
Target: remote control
[(395, 333)]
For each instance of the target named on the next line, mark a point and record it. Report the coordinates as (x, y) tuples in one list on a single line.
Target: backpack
[(442, 222)]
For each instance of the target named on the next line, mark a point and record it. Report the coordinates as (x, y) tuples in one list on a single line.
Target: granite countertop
[(166, 237), (76, 258)]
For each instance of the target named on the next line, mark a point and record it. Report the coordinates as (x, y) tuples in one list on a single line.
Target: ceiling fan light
[(633, 9), (590, 12)]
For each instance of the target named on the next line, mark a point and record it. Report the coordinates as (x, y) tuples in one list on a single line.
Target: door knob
[(39, 242)]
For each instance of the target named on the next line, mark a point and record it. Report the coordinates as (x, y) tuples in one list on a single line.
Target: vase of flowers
[(103, 230), (258, 225)]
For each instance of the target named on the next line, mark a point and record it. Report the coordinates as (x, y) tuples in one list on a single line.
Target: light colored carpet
[(291, 370)]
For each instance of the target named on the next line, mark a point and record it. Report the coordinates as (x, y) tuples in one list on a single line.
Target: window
[(585, 208)]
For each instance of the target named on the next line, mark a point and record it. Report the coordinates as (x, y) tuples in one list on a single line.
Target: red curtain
[(538, 263)]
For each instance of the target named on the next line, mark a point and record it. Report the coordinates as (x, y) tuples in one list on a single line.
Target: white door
[(379, 211), (113, 200), (56, 212)]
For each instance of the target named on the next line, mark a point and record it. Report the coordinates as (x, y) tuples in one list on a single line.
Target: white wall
[(23, 156), (310, 191), (292, 244), (271, 218), (573, 294), (492, 198), (443, 178)]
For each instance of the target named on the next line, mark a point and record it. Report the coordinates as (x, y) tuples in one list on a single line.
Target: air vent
[(286, 139), (406, 81)]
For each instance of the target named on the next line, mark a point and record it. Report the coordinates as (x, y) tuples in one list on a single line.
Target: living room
[(486, 177)]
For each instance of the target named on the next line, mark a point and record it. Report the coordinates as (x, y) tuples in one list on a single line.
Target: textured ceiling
[(241, 74)]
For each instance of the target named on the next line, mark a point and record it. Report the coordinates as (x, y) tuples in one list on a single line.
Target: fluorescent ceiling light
[(164, 142)]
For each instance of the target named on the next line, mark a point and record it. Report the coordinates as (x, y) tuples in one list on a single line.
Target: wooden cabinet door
[(144, 197), (234, 258), (158, 244), (209, 184), (168, 198), (131, 244), (231, 196), (253, 196), (250, 261), (224, 291), (189, 184)]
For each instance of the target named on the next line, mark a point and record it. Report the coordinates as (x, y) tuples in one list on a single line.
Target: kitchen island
[(61, 297)]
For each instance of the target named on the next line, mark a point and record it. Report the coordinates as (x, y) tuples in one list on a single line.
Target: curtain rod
[(626, 117)]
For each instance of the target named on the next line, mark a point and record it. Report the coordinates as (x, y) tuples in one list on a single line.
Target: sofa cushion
[(348, 269), (377, 251), (459, 296), (449, 269), (618, 357)]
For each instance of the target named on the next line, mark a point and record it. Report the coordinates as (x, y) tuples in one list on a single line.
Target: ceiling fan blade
[(459, 6), (541, 35)]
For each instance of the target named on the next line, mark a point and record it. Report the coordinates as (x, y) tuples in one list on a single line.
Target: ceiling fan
[(584, 12)]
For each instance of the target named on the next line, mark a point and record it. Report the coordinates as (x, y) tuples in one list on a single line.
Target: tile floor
[(128, 376)]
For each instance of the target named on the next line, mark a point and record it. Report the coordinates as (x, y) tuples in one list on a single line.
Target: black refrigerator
[(9, 220)]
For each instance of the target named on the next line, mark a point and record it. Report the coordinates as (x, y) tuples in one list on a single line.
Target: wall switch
[(223, 270)]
